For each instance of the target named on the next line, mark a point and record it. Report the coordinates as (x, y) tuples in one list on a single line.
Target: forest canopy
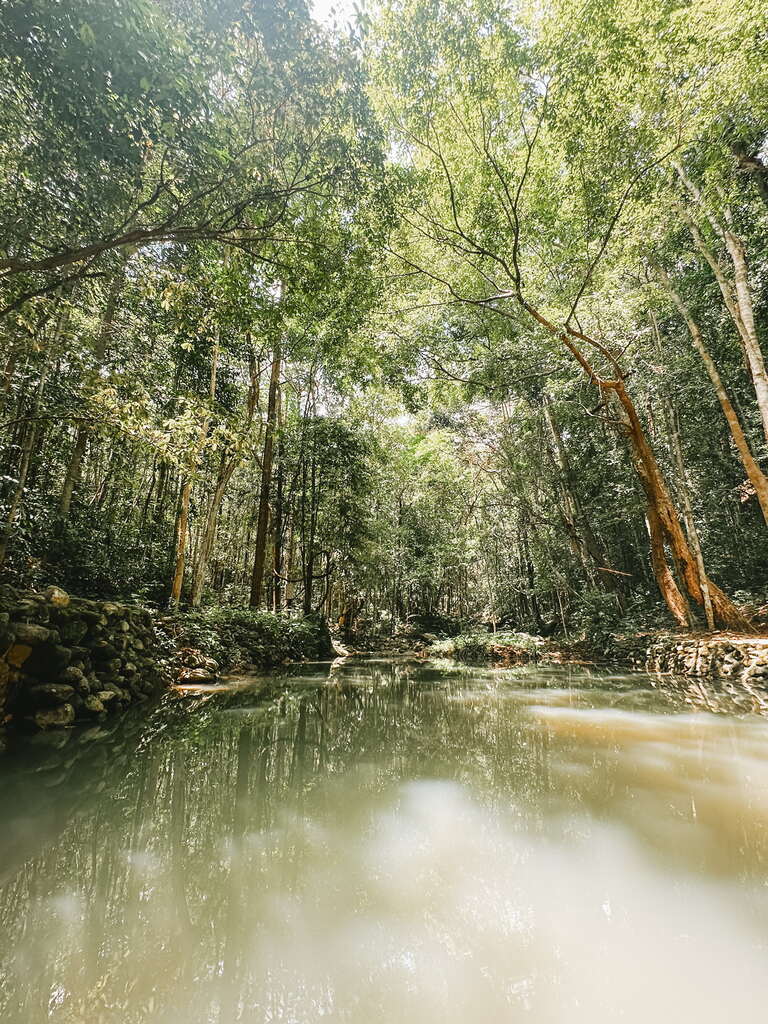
[(455, 311)]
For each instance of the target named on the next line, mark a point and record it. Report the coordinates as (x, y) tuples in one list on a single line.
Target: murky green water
[(389, 842)]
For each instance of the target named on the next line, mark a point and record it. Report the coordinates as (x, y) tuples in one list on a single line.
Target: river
[(388, 841)]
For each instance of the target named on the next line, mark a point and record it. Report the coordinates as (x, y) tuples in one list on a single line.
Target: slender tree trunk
[(27, 449), (30, 437), (591, 553), (309, 564), (277, 545), (182, 521), (684, 490), (659, 502), (74, 466), (8, 371), (660, 506), (755, 475), (665, 579), (208, 535), (738, 255), (262, 526), (737, 295)]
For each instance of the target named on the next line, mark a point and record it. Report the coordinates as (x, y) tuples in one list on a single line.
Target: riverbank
[(65, 659), (716, 655), (720, 655)]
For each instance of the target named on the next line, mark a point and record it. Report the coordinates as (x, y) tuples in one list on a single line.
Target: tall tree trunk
[(208, 535), (182, 518), (755, 475), (30, 435), (684, 490), (737, 252), (660, 506), (27, 448), (8, 371), (74, 466), (309, 555), (277, 543), (737, 295), (659, 503), (182, 521), (673, 597), (262, 525), (590, 551)]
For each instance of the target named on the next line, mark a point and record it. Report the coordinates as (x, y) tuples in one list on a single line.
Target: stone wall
[(714, 655), (64, 659)]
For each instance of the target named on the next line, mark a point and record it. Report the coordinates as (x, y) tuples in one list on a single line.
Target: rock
[(110, 686), (102, 650), (50, 694), (72, 675), (73, 630), (18, 654), (107, 697), (28, 609), (93, 706), (48, 660), (53, 718), (57, 597), (32, 634)]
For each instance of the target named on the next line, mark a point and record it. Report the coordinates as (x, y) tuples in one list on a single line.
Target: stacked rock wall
[(718, 656), (714, 655), (63, 658)]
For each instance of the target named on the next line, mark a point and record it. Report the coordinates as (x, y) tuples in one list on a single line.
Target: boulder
[(72, 675), (102, 650), (93, 706), (32, 634), (18, 654), (57, 597), (73, 630), (50, 694), (48, 660), (55, 718)]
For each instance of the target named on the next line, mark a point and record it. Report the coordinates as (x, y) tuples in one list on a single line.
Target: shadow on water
[(383, 840)]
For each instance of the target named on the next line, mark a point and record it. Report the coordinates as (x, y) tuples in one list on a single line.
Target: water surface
[(386, 841)]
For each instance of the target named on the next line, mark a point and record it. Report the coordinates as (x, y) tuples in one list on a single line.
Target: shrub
[(484, 647), (238, 636)]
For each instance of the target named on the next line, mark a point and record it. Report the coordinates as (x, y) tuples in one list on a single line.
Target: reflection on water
[(386, 841)]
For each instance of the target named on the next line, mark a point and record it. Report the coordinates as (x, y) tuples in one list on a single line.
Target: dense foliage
[(239, 637), (458, 314)]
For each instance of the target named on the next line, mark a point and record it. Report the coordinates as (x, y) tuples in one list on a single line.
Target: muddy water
[(390, 842)]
